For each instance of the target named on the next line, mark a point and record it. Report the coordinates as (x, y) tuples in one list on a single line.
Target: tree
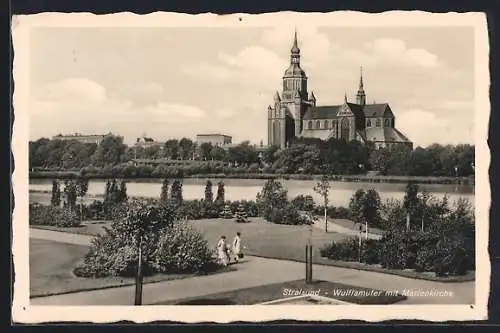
[(219, 199), (272, 201), (209, 195), (186, 148), (356, 206), (218, 154), (176, 193), (55, 200), (226, 212), (164, 191), (323, 189), (122, 192), (109, 151), (241, 215), (171, 149), (71, 194), (365, 207), (82, 186), (206, 151), (371, 208), (142, 222), (411, 202)]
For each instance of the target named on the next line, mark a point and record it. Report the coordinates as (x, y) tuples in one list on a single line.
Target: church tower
[(285, 115), (361, 96), (295, 89)]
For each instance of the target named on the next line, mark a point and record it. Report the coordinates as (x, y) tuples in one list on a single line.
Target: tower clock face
[(287, 95)]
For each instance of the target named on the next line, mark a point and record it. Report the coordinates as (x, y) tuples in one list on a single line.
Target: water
[(247, 189)]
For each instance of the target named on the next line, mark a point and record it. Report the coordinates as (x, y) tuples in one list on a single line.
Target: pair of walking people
[(226, 251)]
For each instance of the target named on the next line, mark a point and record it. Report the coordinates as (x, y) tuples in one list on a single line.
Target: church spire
[(361, 78), (295, 46), (361, 96), (295, 56)]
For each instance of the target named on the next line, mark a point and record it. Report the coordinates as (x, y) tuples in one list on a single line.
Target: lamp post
[(309, 251), (359, 241)]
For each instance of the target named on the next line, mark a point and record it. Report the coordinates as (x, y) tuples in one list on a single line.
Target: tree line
[(304, 156)]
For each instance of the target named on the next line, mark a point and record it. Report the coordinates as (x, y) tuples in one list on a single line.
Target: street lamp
[(309, 250)]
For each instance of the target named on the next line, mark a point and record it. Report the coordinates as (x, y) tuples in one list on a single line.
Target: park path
[(334, 227), (254, 271)]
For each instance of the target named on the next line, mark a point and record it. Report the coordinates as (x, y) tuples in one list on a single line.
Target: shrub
[(453, 257), (347, 250), (182, 249), (53, 216), (292, 216), (303, 202), (167, 247)]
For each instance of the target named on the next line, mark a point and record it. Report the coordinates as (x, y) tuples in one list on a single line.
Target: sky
[(172, 82)]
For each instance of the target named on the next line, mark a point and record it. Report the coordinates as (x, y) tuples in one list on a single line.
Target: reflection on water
[(247, 189)]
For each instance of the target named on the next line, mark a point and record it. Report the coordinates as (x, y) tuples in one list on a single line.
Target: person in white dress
[(237, 247), (222, 251)]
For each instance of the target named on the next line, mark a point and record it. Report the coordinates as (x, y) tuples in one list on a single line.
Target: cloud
[(75, 90), (396, 52), (82, 105), (174, 112), (425, 127), (142, 94)]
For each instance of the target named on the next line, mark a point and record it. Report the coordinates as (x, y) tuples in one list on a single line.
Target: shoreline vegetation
[(464, 181)]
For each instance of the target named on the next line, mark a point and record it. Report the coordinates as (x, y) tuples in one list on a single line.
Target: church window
[(318, 124), (378, 123), (392, 122), (386, 122), (309, 125), (345, 129), (368, 123), (326, 124)]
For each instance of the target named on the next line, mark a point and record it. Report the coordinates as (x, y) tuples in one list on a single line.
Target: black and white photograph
[(250, 167)]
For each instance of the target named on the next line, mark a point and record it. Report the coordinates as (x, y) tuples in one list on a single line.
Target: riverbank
[(467, 181)]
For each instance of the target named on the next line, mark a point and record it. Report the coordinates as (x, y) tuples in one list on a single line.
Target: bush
[(52, 216), (250, 207), (346, 250), (181, 249), (303, 203), (175, 248), (110, 256), (453, 257)]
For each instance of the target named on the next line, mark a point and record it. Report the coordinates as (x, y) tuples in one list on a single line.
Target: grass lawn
[(89, 228), (351, 225), (260, 238), (260, 294), (52, 264), (267, 239)]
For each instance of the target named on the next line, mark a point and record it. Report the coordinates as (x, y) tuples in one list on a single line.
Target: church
[(295, 114)]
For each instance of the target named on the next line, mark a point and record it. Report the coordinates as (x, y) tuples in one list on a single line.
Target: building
[(295, 114), (217, 140), (146, 142), (91, 138)]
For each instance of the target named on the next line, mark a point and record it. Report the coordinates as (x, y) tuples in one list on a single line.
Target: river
[(247, 189)]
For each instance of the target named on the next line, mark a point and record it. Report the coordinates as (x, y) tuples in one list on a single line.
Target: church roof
[(322, 112), (386, 134), (377, 110), (331, 111), (317, 134)]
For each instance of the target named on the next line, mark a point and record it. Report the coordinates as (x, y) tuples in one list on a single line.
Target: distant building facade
[(146, 142), (217, 140), (83, 138), (295, 114)]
